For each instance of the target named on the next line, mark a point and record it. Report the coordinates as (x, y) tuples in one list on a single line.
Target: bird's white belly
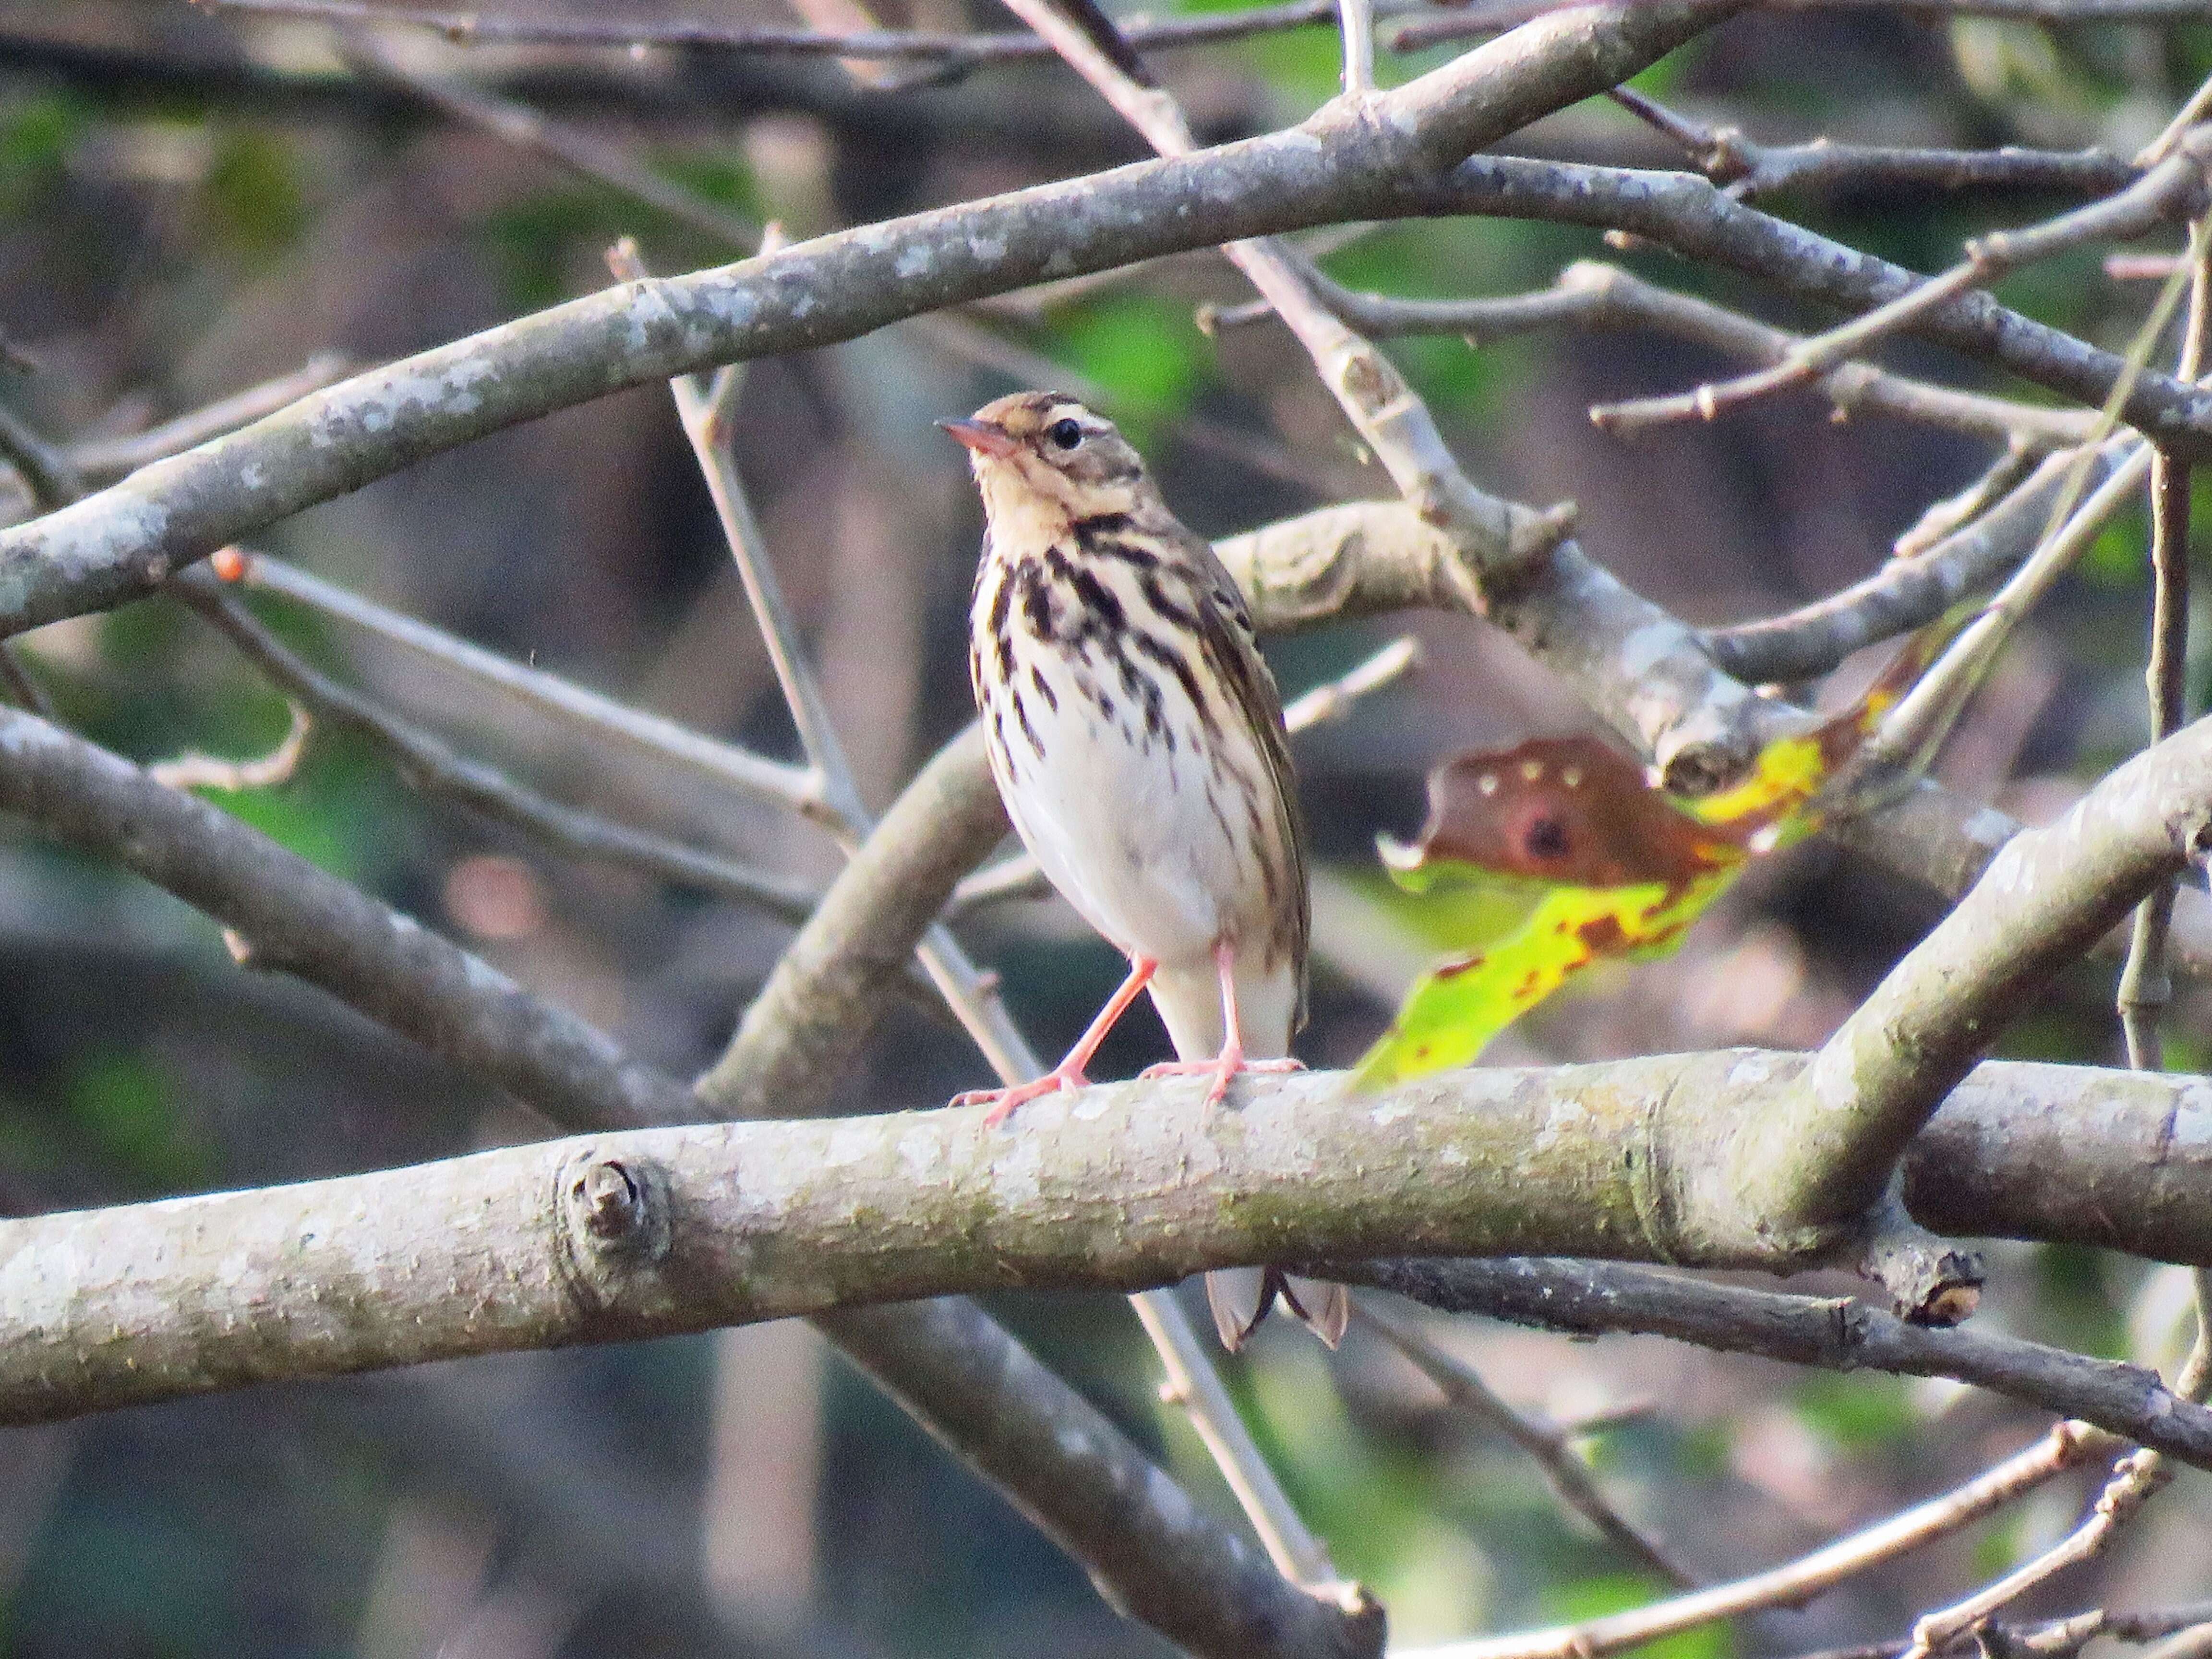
[(1122, 824)]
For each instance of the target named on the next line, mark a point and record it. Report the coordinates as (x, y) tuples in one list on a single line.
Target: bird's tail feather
[(1189, 1001), (1240, 1298)]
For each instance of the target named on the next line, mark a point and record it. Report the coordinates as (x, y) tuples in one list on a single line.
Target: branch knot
[(612, 1229)]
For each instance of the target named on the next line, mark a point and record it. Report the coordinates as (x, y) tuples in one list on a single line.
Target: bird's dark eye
[(1066, 434)]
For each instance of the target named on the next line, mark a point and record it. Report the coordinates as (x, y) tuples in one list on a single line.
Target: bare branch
[(957, 50), (1488, 18), (2145, 988), (429, 764), (2134, 1479), (1549, 1444), (1594, 296), (618, 1236), (2043, 901), (1748, 170), (722, 763), (1908, 592), (1193, 1384), (1337, 166), (1072, 1472), (1797, 1582), (1590, 1297), (299, 921), (101, 458), (573, 147), (1694, 218), (197, 771)]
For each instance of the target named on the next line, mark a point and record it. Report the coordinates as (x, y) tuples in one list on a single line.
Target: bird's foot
[(1002, 1101), (1231, 1062)]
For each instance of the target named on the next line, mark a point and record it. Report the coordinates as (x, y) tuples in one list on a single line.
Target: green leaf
[(1455, 1009)]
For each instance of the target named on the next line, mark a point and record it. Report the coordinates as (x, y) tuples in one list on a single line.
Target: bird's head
[(1042, 452)]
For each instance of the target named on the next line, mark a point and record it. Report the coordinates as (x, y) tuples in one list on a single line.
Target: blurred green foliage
[(1854, 1413), (128, 1110), (251, 194), (1595, 1596), (36, 135), (1144, 351)]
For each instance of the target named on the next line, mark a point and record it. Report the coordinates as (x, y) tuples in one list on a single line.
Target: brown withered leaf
[(1572, 811)]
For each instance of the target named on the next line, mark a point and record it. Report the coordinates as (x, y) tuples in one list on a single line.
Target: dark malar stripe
[(1106, 535)]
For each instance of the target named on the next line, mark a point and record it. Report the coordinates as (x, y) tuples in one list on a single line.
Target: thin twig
[(1549, 1443), (1944, 519), (197, 771), (2145, 986), (1901, 748), (2186, 117), (2167, 189), (2136, 1479), (632, 33), (1593, 296), (23, 688), (1192, 1384), (1358, 17), (110, 458), (1747, 169), (430, 765), (585, 152), (1486, 18), (1798, 1582), (724, 764), (1913, 588)]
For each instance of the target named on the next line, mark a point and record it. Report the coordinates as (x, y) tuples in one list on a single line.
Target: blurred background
[(197, 202)]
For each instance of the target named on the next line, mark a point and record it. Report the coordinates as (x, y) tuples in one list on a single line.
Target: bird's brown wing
[(1232, 649)]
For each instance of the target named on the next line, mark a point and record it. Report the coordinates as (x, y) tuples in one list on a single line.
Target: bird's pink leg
[(1068, 1074), (1230, 1060)]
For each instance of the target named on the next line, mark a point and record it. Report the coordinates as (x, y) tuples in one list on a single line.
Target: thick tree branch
[(1691, 217), (624, 1236), (295, 917), (1350, 161), (2043, 903), (1153, 1554)]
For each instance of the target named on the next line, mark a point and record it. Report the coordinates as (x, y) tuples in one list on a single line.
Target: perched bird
[(1137, 738)]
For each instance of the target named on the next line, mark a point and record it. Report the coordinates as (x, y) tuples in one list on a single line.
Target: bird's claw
[(1221, 1071), (1003, 1101)]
